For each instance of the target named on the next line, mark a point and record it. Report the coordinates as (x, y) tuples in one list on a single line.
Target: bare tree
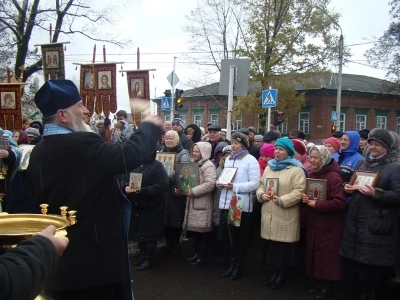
[(19, 20)]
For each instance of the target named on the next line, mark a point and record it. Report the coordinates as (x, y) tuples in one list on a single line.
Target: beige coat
[(282, 223), (199, 207)]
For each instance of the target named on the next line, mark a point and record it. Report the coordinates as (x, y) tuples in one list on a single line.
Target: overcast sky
[(155, 26)]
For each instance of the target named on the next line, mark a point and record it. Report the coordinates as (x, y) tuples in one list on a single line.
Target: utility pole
[(173, 91)]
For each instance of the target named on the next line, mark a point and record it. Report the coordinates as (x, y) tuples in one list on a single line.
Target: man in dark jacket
[(75, 167), (25, 269), (214, 137), (178, 125)]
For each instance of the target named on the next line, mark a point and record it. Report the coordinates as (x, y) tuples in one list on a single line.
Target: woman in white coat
[(244, 183)]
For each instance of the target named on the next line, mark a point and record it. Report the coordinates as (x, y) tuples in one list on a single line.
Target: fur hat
[(252, 129), (364, 134), (241, 138), (334, 142), (32, 132), (55, 95), (244, 131), (287, 144), (178, 121), (299, 146), (271, 136), (267, 150), (382, 136)]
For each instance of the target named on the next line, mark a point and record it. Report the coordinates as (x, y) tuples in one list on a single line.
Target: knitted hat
[(174, 135), (364, 134), (267, 150), (32, 132), (55, 95), (287, 144), (258, 137), (299, 146), (179, 122), (271, 136), (241, 138), (334, 142), (382, 136)]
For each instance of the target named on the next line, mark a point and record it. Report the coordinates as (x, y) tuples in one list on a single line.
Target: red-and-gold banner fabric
[(139, 94), (10, 106), (53, 61), (87, 87), (106, 88)]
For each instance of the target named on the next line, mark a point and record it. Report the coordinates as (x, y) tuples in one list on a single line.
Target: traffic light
[(168, 93), (278, 118), (178, 99), (333, 128)]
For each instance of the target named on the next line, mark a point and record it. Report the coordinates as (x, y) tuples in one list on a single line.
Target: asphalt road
[(173, 278)]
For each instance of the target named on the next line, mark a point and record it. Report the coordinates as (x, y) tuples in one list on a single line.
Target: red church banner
[(53, 61), (139, 94), (11, 106), (87, 87), (105, 88)]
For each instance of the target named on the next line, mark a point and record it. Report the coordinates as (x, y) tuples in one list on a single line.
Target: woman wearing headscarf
[(199, 203), (10, 158), (280, 217), (174, 204), (147, 209), (245, 182), (348, 155), (371, 235), (325, 223)]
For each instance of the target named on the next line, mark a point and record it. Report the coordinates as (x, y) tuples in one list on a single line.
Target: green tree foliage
[(385, 53), (289, 42)]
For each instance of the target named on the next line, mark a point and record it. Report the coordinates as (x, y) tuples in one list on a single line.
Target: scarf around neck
[(237, 154), (277, 165)]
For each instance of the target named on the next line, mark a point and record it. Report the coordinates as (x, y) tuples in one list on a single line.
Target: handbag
[(236, 208)]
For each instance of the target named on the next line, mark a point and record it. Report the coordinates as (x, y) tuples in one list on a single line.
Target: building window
[(381, 122), (342, 122), (304, 122), (214, 119), (283, 127), (197, 120), (167, 117), (361, 122), (237, 124), (398, 125)]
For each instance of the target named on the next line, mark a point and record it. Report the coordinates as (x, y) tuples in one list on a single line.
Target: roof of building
[(328, 81)]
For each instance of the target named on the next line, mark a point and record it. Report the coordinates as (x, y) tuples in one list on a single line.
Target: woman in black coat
[(371, 236), (147, 218)]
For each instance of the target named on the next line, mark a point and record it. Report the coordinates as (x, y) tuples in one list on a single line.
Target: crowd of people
[(301, 198)]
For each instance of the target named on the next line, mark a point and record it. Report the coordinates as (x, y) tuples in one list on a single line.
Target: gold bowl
[(17, 227)]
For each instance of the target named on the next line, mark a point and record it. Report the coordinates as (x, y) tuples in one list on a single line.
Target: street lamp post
[(339, 81)]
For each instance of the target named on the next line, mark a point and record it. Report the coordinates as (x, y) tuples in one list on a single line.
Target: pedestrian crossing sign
[(166, 103), (269, 98)]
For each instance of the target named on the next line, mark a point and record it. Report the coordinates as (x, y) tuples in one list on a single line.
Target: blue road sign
[(334, 116), (166, 103), (269, 98)]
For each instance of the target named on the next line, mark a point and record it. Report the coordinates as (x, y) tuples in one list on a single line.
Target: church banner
[(139, 93), (106, 88), (11, 106), (87, 87), (53, 61)]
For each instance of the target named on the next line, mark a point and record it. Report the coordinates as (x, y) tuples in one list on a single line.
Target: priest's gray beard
[(78, 124)]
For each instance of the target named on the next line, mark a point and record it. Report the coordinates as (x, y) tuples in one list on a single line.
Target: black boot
[(279, 281), (229, 272), (271, 279), (237, 272), (325, 292), (147, 262), (139, 260)]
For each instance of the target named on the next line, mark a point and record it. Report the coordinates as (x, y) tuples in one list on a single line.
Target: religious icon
[(89, 81), (316, 189), (363, 178), (135, 181), (227, 175), (272, 186), (186, 177), (104, 80), (52, 60), (137, 88), (26, 151), (8, 100), (168, 161)]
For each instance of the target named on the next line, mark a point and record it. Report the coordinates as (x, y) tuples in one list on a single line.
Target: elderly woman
[(325, 223), (174, 204), (280, 220), (371, 236), (199, 203), (245, 181)]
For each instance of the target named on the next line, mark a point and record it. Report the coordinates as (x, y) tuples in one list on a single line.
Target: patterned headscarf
[(324, 156)]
